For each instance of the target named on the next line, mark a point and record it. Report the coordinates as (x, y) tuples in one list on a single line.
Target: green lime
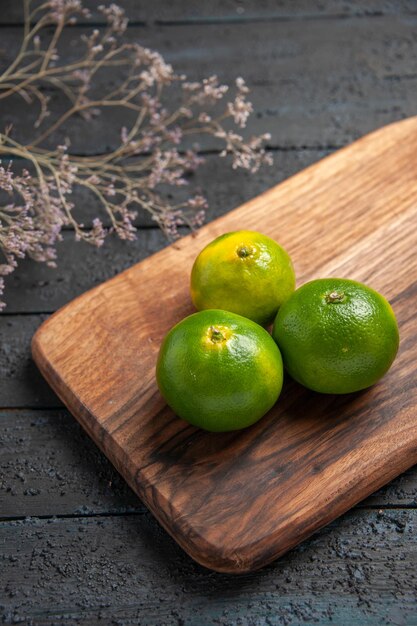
[(336, 335), (219, 371), (244, 272)]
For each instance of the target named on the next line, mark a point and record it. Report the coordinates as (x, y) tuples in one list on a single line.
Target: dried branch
[(149, 154)]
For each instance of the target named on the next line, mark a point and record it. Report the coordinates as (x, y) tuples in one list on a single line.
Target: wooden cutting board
[(237, 501)]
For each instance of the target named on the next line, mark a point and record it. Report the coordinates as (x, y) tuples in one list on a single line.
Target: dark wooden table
[(76, 545)]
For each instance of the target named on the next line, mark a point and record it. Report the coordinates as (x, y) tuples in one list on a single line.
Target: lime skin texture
[(244, 272), (336, 335), (219, 371)]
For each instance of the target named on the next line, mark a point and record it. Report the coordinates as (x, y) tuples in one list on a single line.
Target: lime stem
[(335, 296), (243, 252), (216, 335)]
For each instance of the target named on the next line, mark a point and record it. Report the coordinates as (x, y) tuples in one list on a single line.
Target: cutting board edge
[(214, 557), (99, 435)]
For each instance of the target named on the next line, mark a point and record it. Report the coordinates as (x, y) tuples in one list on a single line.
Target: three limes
[(244, 272), (336, 335), (219, 371)]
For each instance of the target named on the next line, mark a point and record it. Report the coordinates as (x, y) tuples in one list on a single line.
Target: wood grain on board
[(51, 468), (235, 502)]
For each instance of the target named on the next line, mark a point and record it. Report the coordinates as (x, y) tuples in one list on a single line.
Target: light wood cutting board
[(237, 501)]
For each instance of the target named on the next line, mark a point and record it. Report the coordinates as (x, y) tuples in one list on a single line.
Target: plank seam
[(238, 19), (145, 510), (307, 17)]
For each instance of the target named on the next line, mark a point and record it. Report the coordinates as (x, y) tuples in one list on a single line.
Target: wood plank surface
[(313, 86), (233, 10), (353, 214), (127, 571), (37, 288), (21, 384), (48, 467), (36, 593)]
